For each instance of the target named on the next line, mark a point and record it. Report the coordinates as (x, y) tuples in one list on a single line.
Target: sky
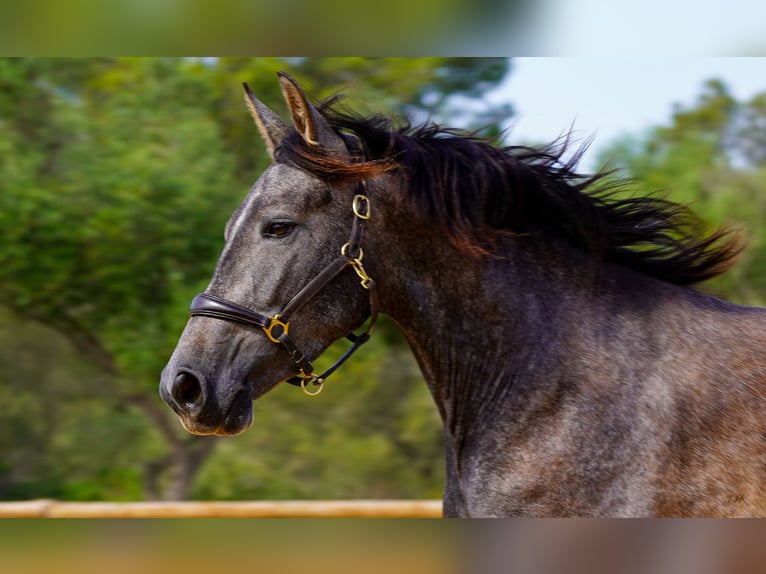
[(609, 97), (653, 27)]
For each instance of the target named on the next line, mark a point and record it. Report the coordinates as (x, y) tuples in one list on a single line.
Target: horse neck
[(486, 330)]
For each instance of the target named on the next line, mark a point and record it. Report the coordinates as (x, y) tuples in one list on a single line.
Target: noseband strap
[(277, 327)]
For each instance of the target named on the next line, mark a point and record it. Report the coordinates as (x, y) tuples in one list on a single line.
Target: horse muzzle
[(200, 410)]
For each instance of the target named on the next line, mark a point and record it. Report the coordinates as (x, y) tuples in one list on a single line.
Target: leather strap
[(356, 340), (313, 287), (206, 305)]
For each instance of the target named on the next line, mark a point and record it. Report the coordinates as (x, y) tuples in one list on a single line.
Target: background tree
[(103, 185), (712, 155), (118, 176)]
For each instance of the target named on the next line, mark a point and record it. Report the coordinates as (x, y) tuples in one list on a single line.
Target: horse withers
[(576, 370)]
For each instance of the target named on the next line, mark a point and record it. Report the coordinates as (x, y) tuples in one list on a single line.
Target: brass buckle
[(361, 207), (275, 322)]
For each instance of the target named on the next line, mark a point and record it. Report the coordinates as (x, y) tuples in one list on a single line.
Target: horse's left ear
[(307, 120)]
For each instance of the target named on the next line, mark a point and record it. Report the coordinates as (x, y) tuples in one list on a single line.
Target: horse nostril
[(187, 390)]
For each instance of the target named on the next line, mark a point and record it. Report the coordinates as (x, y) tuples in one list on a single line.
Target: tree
[(106, 216), (711, 155)]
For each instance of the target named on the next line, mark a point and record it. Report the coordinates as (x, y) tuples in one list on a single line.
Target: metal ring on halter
[(318, 382), (344, 252)]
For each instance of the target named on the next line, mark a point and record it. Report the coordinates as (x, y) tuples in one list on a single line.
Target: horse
[(577, 369)]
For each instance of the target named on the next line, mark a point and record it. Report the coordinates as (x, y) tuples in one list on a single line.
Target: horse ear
[(272, 127), (306, 118)]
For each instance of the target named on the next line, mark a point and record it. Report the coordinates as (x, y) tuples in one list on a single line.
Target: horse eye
[(278, 229)]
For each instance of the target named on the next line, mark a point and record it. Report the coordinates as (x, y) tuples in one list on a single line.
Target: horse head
[(282, 291)]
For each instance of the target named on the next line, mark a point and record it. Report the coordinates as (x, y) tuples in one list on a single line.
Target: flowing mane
[(479, 191)]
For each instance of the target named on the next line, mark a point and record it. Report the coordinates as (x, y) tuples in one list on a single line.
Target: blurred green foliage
[(118, 176), (711, 155), (268, 27)]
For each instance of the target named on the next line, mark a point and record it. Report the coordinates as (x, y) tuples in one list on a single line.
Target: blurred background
[(117, 176), (392, 28)]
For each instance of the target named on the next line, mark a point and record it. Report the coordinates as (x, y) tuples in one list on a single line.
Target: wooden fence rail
[(255, 509)]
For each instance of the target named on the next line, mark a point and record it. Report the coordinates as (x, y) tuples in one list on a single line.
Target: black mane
[(479, 191)]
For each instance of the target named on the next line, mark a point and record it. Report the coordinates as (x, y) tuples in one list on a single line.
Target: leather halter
[(277, 327)]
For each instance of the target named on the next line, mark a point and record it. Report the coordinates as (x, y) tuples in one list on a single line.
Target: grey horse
[(576, 369)]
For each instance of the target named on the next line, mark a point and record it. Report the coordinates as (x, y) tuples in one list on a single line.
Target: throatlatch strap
[(356, 340)]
